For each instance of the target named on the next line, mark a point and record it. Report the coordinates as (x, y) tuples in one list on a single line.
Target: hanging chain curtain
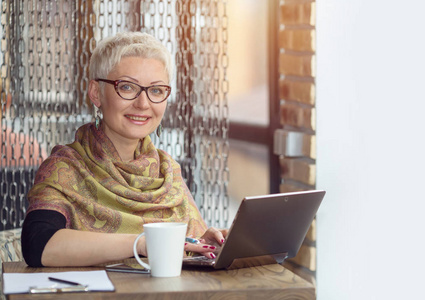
[(45, 51)]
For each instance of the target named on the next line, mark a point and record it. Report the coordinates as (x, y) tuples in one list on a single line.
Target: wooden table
[(263, 282)]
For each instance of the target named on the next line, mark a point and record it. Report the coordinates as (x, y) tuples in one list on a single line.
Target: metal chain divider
[(34, 127), (17, 162), (5, 75), (32, 38), (181, 106), (192, 81), (224, 118), (208, 126), (4, 71), (214, 101), (5, 79)]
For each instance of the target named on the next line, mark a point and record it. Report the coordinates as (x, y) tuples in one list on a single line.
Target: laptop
[(266, 229)]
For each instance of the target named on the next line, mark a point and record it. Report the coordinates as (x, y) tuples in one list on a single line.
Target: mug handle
[(136, 254)]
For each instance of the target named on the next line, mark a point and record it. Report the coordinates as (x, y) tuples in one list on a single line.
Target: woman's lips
[(137, 118)]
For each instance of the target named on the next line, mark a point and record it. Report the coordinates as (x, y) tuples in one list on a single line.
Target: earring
[(159, 130), (96, 117)]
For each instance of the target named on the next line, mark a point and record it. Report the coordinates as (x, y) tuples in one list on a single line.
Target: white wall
[(371, 148)]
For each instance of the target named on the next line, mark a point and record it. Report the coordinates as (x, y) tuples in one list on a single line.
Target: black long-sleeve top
[(39, 226)]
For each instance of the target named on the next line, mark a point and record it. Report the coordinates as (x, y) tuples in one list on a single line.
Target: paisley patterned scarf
[(95, 190)]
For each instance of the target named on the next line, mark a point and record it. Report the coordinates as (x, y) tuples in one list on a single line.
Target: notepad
[(18, 283)]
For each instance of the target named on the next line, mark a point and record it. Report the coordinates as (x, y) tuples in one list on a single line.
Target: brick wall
[(294, 142)]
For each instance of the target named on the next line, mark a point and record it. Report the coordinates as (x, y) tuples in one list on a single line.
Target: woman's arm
[(68, 247), (46, 242)]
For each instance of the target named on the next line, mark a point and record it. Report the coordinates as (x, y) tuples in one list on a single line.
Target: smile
[(135, 118)]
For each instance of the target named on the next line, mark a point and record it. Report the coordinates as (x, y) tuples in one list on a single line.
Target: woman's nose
[(142, 101)]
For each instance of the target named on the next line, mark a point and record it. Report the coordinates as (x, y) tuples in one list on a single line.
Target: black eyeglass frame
[(115, 83)]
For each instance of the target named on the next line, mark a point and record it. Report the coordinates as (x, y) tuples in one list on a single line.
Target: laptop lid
[(267, 225)]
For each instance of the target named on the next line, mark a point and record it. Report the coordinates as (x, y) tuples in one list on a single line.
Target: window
[(251, 162)]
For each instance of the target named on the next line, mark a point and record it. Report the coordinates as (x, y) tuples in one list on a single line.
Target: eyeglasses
[(129, 90)]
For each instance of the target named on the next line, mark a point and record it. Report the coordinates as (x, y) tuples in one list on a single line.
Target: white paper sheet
[(17, 283)]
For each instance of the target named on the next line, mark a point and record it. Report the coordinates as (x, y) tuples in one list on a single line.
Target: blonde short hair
[(111, 50)]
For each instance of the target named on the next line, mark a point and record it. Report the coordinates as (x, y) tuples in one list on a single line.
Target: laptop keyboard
[(201, 258), (199, 261)]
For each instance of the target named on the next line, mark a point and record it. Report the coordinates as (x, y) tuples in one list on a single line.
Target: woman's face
[(127, 121)]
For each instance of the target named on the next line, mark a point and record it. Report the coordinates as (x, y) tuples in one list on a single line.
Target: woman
[(91, 198)]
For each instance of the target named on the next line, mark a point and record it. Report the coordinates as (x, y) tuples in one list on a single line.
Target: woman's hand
[(210, 242), (214, 236)]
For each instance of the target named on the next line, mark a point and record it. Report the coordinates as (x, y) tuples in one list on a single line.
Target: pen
[(63, 281), (192, 240)]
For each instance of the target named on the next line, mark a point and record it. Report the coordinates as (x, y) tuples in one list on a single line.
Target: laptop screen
[(270, 225)]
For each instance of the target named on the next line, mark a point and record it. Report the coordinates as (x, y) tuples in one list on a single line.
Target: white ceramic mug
[(165, 247)]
